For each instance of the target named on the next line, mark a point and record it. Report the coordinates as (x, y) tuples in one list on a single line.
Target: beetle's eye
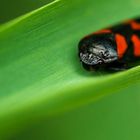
[(102, 53), (106, 54)]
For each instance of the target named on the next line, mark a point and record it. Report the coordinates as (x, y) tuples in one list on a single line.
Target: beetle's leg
[(117, 66), (87, 67), (90, 67)]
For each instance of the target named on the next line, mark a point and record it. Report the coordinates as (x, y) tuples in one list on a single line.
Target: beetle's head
[(98, 49)]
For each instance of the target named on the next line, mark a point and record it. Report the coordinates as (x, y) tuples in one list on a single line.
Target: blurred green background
[(24, 106), (115, 117)]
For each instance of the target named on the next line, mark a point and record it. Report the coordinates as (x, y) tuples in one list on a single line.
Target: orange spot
[(135, 25), (127, 21), (103, 31), (136, 42), (121, 45), (99, 32)]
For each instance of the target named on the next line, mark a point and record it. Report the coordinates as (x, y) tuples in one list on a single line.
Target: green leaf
[(41, 76)]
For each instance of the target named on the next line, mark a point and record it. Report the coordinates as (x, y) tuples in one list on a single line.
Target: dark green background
[(10, 9)]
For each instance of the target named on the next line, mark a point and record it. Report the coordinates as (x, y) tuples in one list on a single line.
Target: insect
[(113, 48)]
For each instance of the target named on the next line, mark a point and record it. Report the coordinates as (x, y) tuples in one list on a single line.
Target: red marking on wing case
[(121, 45), (127, 21), (98, 32), (136, 41), (103, 31), (135, 25)]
